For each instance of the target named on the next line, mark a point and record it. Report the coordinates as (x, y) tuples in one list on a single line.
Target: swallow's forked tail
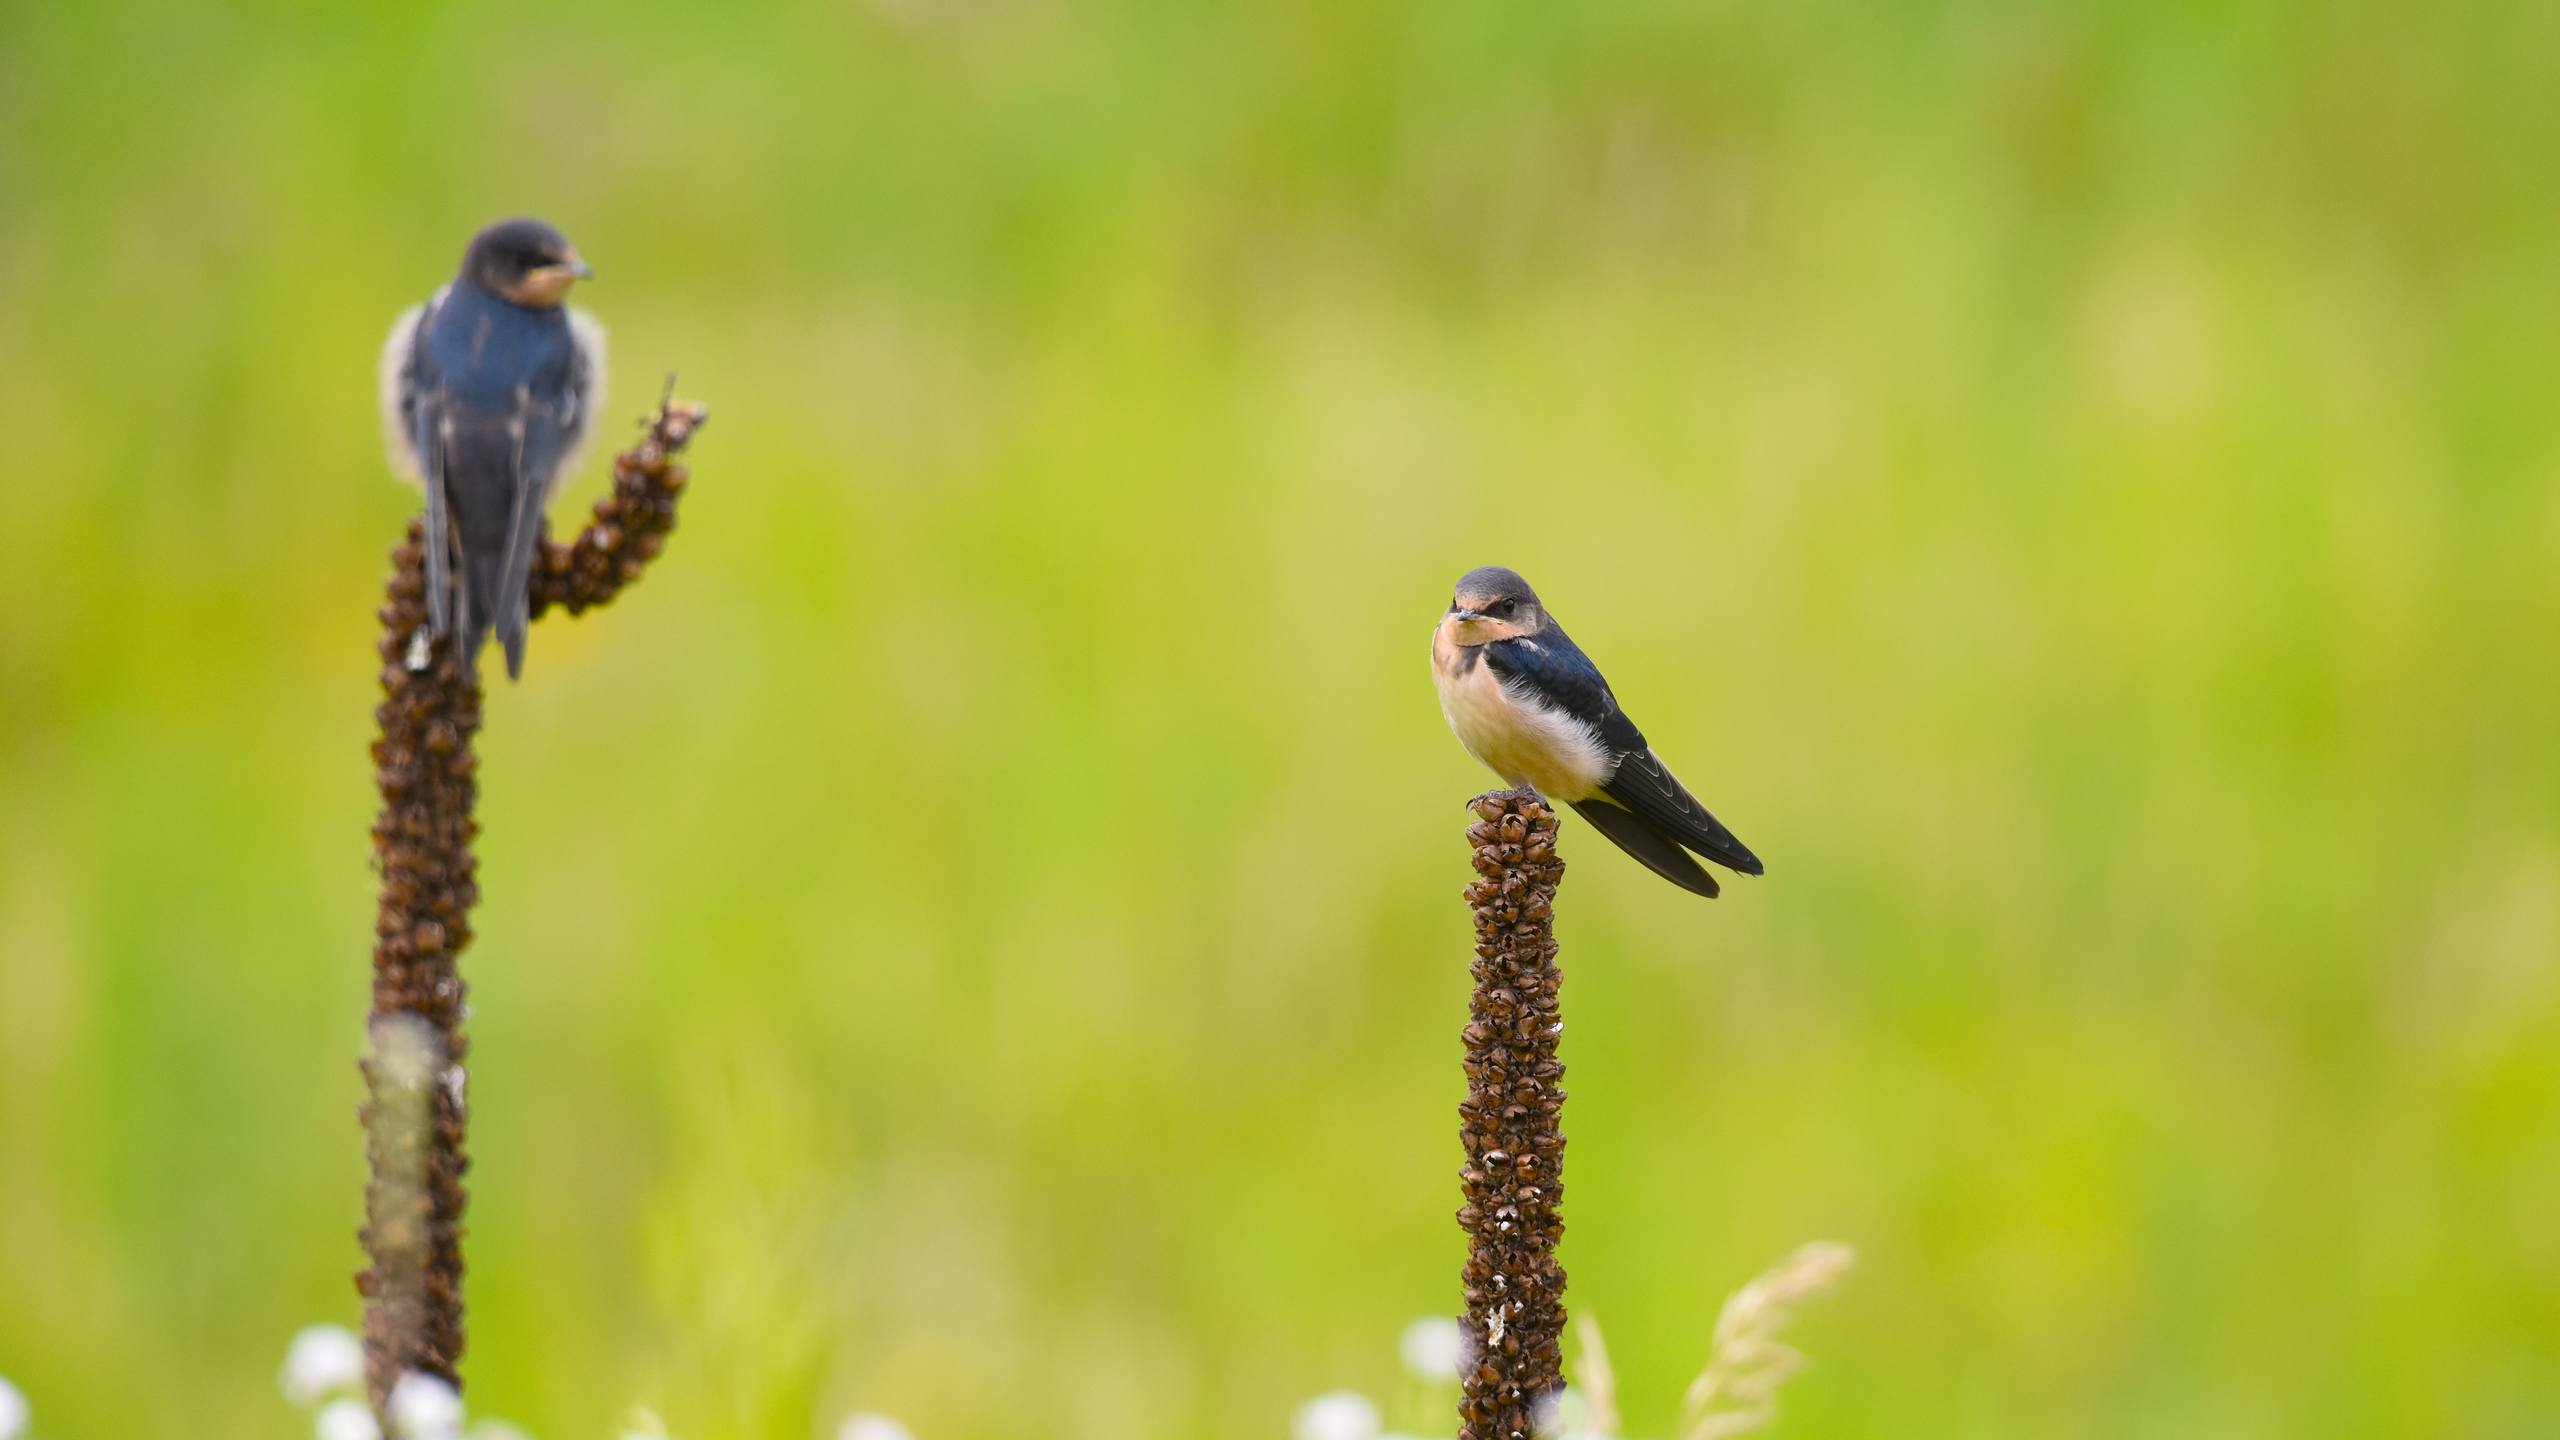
[(511, 604), (1659, 852)]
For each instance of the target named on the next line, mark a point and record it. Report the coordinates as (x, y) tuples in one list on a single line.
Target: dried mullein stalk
[(1511, 1122), (426, 771)]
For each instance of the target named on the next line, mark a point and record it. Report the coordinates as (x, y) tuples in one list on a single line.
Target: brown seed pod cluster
[(425, 768), (1512, 1124), (631, 522), (426, 771)]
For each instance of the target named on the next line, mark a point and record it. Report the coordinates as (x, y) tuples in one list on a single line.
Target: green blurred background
[(976, 934)]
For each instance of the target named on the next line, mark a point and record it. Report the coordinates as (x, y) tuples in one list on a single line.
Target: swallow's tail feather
[(475, 601), (1646, 786), (482, 497), (458, 604), (1659, 852), (512, 612)]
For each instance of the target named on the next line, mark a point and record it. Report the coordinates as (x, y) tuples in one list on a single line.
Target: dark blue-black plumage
[(1655, 817), (493, 394), (1553, 668)]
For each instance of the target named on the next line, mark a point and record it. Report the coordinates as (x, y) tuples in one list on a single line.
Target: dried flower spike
[(1512, 1125), (426, 771), (631, 522)]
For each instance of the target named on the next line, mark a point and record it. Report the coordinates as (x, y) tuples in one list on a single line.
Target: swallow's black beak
[(580, 268), (1462, 614)]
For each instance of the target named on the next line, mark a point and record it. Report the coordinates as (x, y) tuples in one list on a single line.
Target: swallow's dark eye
[(1506, 608)]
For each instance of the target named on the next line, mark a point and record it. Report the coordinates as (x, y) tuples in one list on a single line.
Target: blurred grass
[(976, 934)]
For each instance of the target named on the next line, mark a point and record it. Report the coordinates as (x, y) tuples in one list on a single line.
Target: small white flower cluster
[(324, 1374), (1433, 1349), (1736, 1394), (14, 1414)]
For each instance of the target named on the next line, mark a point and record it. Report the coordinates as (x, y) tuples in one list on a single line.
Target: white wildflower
[(644, 1424), (1567, 1415), (1434, 1348), (1341, 1415), (872, 1427), (425, 1407), (322, 1361), (345, 1420), (13, 1411)]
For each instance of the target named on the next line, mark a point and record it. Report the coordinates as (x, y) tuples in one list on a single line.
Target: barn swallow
[(487, 390), (1527, 702)]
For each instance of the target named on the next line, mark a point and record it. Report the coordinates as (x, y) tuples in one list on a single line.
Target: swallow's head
[(523, 261), (1492, 604)]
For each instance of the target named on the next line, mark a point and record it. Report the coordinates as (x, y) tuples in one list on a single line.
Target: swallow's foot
[(1491, 803)]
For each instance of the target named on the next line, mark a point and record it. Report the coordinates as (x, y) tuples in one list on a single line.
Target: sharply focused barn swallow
[(487, 390), (1527, 702)]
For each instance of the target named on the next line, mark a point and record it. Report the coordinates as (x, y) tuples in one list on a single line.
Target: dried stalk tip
[(1512, 1125), (631, 522)]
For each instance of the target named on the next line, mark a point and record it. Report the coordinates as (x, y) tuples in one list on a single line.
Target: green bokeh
[(975, 935)]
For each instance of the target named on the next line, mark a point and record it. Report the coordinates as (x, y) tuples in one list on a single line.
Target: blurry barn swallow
[(1527, 702), (487, 390)]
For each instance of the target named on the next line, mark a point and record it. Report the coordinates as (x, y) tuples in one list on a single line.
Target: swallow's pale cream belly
[(1520, 740)]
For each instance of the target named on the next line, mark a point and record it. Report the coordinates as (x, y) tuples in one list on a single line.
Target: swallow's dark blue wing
[(420, 398), (1648, 789), (1551, 667), (551, 416), (439, 538), (1651, 798)]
